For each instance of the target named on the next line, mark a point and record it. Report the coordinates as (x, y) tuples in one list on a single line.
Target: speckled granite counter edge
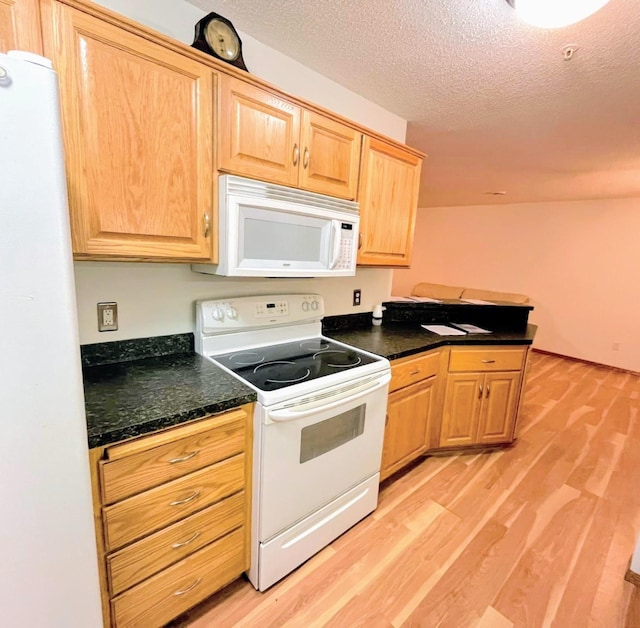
[(155, 425)]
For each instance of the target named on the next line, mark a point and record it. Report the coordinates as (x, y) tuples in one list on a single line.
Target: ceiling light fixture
[(555, 13)]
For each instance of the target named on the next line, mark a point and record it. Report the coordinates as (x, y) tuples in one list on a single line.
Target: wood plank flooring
[(536, 535)]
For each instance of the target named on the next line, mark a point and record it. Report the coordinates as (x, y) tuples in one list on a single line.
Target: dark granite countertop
[(137, 397), (130, 392), (394, 341)]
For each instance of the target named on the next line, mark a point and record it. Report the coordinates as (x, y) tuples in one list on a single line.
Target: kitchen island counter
[(394, 341)]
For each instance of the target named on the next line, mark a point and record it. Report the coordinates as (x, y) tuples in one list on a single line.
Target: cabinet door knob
[(207, 225), (360, 240), (305, 158), (480, 391), (296, 154), (488, 391)]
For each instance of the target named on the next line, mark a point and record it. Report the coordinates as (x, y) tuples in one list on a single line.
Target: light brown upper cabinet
[(388, 196), (266, 137), (138, 133), (20, 26)]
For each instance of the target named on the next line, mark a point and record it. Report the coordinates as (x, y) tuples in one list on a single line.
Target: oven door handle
[(288, 414)]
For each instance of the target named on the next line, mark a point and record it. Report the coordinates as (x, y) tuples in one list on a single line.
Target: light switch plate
[(108, 316)]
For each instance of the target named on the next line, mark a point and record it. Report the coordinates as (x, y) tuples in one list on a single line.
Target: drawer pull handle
[(191, 497), (305, 158), (488, 361), (183, 543), (480, 392), (184, 458), (416, 372), (296, 154), (189, 588), (207, 225)]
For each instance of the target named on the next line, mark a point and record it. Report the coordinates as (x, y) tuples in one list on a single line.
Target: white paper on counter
[(478, 301), (444, 330), (407, 299), (472, 329)]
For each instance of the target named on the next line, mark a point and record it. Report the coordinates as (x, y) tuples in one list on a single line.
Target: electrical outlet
[(107, 316), (357, 297)]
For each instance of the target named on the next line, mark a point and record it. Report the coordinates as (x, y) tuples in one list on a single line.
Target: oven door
[(314, 451)]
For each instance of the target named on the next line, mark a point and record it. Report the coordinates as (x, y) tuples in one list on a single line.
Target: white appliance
[(49, 560), (268, 230), (318, 423)]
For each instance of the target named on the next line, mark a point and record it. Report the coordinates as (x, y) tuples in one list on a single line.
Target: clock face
[(223, 41)]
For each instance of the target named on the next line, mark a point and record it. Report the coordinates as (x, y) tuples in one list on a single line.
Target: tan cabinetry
[(482, 394), (20, 25), (138, 133), (413, 400), (172, 513), (388, 196), (264, 136)]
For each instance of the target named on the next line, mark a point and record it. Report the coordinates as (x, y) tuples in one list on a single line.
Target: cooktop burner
[(277, 366)]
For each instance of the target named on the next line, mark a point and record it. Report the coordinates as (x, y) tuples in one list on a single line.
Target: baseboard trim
[(632, 577), (573, 359)]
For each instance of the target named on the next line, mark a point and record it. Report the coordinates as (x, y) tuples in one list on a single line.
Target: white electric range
[(318, 423)]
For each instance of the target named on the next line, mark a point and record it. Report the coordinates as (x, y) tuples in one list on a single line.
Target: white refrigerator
[(48, 561)]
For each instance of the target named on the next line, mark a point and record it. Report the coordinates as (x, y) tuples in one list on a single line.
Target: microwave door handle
[(281, 416), (335, 243)]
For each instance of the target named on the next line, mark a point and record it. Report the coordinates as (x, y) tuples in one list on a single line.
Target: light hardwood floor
[(536, 535)]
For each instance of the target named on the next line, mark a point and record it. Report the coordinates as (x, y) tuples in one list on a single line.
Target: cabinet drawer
[(486, 359), (136, 466), (414, 369), (153, 553), (149, 511), (171, 592)]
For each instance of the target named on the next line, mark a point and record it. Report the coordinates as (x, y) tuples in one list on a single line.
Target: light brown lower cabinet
[(411, 407), (452, 398), (479, 408), (172, 513)]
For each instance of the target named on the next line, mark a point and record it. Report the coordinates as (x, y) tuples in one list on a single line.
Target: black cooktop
[(278, 366)]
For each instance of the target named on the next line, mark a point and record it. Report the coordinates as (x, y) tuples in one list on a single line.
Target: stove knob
[(231, 311), (314, 305), (305, 306), (217, 313)]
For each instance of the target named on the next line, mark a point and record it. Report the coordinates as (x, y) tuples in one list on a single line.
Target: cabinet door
[(498, 413), (463, 398), (406, 432), (330, 156), (258, 133), (138, 131), (20, 25), (388, 196)]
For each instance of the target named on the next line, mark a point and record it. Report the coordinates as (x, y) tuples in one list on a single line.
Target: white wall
[(577, 261), (157, 299), (154, 299)]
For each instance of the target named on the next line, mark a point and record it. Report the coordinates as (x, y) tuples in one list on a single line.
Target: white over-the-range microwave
[(268, 230)]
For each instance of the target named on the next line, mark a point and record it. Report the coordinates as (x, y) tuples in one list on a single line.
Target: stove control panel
[(269, 309), (241, 313)]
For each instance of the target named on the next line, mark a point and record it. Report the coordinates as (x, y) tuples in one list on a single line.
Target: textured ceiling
[(491, 100)]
